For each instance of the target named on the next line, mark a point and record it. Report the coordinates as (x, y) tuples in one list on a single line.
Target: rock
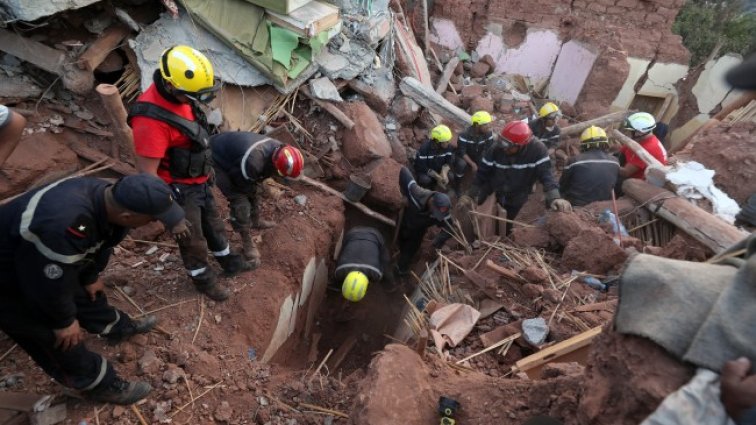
[(118, 411), (161, 412), (172, 375), (593, 251), (127, 354), (480, 69), (300, 200), (535, 331), (552, 295), (323, 88), (379, 92), (488, 59), (469, 93), (452, 98), (366, 141), (531, 290), (534, 274), (128, 290), (223, 412), (564, 226), (405, 110), (482, 104), (535, 237), (460, 69), (384, 190), (149, 364)]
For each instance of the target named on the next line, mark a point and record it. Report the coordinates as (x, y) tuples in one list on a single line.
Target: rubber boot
[(137, 326), (206, 284), (119, 392), (234, 264), (249, 249)]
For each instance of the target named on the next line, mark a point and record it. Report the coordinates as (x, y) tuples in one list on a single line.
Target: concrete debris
[(31, 10), (300, 200), (535, 330), (161, 411), (347, 65), (18, 87), (366, 141), (323, 88)]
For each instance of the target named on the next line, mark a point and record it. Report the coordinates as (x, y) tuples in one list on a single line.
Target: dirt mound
[(593, 251), (730, 150)]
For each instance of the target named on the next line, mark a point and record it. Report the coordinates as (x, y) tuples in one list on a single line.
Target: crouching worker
[(434, 159), (424, 209), (54, 242), (590, 176), (242, 160), (363, 259)]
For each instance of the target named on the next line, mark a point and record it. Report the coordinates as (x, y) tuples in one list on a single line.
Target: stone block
[(452, 98), (469, 93), (366, 141), (405, 110), (384, 190), (481, 104), (480, 69)]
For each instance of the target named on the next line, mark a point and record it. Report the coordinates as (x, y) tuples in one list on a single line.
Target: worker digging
[(390, 212)]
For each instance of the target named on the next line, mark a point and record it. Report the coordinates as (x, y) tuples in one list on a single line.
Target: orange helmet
[(288, 161), (517, 133)]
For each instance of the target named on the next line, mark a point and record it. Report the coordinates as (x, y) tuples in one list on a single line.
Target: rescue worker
[(54, 243), (242, 160), (641, 125), (171, 139), (545, 128), (434, 158), (363, 259), (471, 144), (11, 128), (509, 169), (424, 209), (590, 176)]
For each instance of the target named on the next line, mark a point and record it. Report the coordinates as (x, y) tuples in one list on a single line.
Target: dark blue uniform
[(54, 241), (416, 220), (241, 161), (364, 250), (432, 156), (550, 138), (589, 177)]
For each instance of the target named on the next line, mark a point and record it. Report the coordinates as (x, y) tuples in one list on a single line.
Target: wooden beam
[(123, 137), (101, 48), (428, 98), (443, 81), (601, 121), (638, 150), (359, 205), (330, 108), (694, 221), (555, 354)]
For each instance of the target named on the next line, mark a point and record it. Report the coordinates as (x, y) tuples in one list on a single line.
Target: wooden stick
[(181, 409), (323, 410), (320, 366), (504, 271), (199, 322), (141, 310), (163, 244), (124, 138), (493, 347), (488, 251), (360, 206), (638, 150), (10, 350), (506, 220), (162, 308), (136, 411)]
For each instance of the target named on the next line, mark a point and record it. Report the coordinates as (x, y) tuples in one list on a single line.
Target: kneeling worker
[(54, 242), (363, 259), (590, 176), (241, 161)]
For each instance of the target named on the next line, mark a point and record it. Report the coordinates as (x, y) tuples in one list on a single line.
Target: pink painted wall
[(533, 58), (445, 34), (570, 72)]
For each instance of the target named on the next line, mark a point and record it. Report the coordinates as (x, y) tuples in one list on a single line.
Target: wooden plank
[(704, 227), (428, 98), (601, 121), (101, 48), (602, 306), (443, 81), (359, 205), (342, 352), (557, 352)]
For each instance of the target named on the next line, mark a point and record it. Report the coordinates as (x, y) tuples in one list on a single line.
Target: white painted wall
[(627, 93), (572, 67), (444, 33), (662, 78), (711, 87)]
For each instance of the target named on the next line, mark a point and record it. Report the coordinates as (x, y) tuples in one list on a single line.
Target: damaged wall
[(30, 10)]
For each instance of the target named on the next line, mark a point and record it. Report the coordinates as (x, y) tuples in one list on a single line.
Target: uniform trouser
[(511, 202), (409, 241), (243, 203), (78, 367), (207, 228)]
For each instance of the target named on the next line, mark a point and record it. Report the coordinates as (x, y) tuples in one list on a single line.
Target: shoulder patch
[(52, 271), (81, 227)]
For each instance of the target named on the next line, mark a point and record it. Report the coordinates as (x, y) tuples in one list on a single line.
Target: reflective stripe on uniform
[(409, 193), (26, 233), (435, 156), (110, 325), (516, 166), (100, 375), (196, 272), (364, 266), (222, 253), (246, 155), (593, 161)]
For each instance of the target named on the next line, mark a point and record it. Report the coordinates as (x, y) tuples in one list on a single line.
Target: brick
[(579, 4), (606, 2), (655, 18), (630, 4), (616, 10), (596, 7)]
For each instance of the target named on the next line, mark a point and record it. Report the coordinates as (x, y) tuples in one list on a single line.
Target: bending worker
[(55, 241), (171, 139), (471, 144), (590, 176), (434, 159), (545, 128), (641, 125), (511, 167), (11, 128), (424, 209), (242, 160), (363, 259)]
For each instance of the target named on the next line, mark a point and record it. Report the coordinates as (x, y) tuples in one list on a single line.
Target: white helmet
[(641, 122)]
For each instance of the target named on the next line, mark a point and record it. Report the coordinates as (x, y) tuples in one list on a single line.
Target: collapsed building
[(358, 94)]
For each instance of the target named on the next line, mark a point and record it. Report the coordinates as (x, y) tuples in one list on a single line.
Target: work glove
[(181, 231), (561, 205)]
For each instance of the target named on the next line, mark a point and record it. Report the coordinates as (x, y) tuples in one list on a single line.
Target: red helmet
[(517, 132), (288, 161)]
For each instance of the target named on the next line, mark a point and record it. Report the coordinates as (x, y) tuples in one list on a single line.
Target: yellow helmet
[(593, 136), (548, 109), (441, 134), (481, 118), (354, 286), (189, 71)]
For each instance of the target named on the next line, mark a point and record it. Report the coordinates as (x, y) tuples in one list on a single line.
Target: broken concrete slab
[(30, 10), (347, 64), (377, 87), (18, 87), (366, 141), (535, 330), (323, 88)]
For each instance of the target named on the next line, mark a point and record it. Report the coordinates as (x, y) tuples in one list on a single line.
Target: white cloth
[(4, 115), (694, 181), (696, 402)]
